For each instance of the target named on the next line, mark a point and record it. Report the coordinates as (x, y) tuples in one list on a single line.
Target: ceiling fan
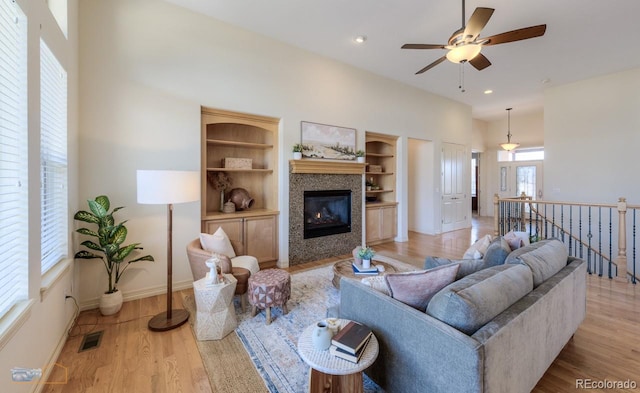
[(465, 44)]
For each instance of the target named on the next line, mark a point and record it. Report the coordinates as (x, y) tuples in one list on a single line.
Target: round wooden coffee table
[(344, 269)]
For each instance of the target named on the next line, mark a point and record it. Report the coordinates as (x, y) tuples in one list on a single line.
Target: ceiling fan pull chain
[(461, 77)]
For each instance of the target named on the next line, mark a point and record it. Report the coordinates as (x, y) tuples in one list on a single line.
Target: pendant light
[(509, 145)]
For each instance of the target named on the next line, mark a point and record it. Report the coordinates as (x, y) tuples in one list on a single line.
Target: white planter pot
[(110, 303), (366, 263), (297, 155), (360, 159)]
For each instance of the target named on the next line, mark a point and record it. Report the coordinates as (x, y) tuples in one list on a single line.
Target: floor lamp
[(167, 188)]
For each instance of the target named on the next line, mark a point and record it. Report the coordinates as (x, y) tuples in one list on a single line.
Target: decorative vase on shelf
[(360, 159), (322, 335), (297, 155), (221, 200)]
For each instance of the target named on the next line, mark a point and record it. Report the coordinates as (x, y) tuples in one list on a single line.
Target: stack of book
[(359, 269), (351, 342)]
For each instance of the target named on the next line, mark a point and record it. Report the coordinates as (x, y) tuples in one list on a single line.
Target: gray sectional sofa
[(497, 328)]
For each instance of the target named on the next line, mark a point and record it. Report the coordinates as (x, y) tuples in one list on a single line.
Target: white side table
[(329, 373), (215, 314)]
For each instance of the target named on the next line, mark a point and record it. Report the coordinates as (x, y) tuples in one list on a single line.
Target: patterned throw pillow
[(378, 283), (417, 288)]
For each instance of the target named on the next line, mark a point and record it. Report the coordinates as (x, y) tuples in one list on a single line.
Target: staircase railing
[(590, 231)]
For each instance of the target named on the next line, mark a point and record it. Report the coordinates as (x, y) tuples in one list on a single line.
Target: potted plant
[(108, 245), (366, 254), (297, 151), (360, 156)]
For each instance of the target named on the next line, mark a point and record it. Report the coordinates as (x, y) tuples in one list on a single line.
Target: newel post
[(621, 259), (496, 214)]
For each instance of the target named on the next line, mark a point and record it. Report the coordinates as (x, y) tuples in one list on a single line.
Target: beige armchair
[(241, 267)]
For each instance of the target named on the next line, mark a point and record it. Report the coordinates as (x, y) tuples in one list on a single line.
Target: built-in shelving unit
[(227, 134), (381, 213)]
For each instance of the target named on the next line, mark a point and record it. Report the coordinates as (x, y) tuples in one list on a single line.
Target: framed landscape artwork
[(325, 141)]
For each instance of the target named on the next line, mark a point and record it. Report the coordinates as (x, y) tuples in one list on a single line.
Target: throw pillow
[(516, 239), (378, 283), (218, 242), (478, 249), (417, 288)]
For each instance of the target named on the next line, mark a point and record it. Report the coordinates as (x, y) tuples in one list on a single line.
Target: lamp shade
[(464, 52), (159, 187)]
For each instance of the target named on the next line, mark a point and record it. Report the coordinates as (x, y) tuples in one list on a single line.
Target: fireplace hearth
[(307, 177), (326, 212)]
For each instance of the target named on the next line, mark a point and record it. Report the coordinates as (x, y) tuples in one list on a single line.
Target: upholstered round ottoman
[(269, 288)]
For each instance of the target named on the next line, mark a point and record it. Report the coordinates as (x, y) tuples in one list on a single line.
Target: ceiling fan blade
[(477, 22), (480, 62), (516, 35), (422, 46), (430, 66)]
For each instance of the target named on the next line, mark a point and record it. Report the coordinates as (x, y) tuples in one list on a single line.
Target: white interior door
[(455, 203)]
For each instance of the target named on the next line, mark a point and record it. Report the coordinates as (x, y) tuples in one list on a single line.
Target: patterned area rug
[(272, 348)]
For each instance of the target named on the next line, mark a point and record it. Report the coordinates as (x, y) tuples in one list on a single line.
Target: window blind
[(53, 159), (13, 156)]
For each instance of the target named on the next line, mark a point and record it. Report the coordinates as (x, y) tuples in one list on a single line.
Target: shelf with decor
[(381, 206), (240, 151), (248, 145), (257, 170)]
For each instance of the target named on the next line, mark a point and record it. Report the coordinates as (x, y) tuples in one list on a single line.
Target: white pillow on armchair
[(219, 243)]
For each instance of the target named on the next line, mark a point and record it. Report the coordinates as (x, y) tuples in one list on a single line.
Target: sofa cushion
[(218, 242), (469, 303), (417, 288), (545, 258)]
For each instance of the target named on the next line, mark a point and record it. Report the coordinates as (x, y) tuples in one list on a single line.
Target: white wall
[(421, 186), (592, 139), (36, 342), (148, 66)]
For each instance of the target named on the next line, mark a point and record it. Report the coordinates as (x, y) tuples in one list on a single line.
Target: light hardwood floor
[(133, 359)]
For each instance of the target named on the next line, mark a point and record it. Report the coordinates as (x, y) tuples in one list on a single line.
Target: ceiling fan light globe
[(464, 52)]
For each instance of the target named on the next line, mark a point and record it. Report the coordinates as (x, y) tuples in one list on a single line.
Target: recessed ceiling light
[(545, 81), (488, 91), (360, 39)]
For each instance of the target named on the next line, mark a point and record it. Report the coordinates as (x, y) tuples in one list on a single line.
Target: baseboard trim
[(46, 371), (140, 294)]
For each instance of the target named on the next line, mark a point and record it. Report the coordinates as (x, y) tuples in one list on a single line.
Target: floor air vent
[(91, 341)]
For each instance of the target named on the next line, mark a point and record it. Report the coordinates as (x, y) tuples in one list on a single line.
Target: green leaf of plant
[(110, 250), (97, 209), (103, 201), (144, 258), (91, 245), (118, 235), (108, 220), (86, 217), (124, 252), (88, 232), (117, 208), (86, 255)]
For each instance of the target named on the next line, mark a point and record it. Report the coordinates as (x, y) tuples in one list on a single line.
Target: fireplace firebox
[(326, 212)]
